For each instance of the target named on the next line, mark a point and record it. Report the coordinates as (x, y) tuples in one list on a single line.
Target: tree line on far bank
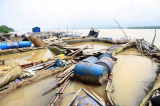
[(145, 27), (5, 29)]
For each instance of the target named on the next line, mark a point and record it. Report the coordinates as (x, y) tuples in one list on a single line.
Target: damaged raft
[(92, 69)]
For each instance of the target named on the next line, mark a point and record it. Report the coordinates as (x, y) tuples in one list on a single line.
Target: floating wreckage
[(121, 40), (95, 67), (9, 71), (33, 43)]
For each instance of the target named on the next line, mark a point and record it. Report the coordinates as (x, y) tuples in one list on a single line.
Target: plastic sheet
[(12, 74)]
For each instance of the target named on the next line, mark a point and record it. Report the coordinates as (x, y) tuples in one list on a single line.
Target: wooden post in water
[(67, 29), (121, 29), (154, 37), (73, 29), (58, 30)]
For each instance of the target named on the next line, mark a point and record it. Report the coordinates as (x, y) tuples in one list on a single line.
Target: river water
[(131, 73)]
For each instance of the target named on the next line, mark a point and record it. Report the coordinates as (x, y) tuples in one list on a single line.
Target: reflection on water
[(30, 56), (31, 95), (131, 75)]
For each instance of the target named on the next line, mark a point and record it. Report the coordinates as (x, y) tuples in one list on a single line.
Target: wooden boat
[(11, 71)]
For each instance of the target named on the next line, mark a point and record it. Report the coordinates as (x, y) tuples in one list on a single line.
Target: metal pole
[(74, 97), (93, 97), (121, 29), (51, 102), (62, 90)]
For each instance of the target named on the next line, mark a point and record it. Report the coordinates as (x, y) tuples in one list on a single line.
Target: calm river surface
[(131, 74)]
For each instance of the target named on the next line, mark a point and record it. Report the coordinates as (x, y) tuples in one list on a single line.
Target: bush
[(5, 31)]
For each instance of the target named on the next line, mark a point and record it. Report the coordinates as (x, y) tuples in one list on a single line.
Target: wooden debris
[(95, 94), (36, 41), (38, 76), (62, 79), (77, 51)]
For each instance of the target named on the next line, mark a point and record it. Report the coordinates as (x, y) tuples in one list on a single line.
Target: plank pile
[(67, 73)]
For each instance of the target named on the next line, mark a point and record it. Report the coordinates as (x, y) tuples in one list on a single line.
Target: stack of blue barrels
[(92, 69), (19, 44)]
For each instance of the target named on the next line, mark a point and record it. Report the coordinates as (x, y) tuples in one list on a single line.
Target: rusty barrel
[(105, 55), (90, 72), (90, 59), (107, 62)]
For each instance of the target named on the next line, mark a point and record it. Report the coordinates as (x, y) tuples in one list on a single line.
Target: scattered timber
[(37, 77), (96, 94), (68, 73)]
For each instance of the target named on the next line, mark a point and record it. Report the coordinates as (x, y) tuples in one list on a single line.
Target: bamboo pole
[(73, 29), (154, 37), (121, 29)]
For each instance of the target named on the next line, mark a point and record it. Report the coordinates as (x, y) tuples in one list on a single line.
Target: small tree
[(5, 31)]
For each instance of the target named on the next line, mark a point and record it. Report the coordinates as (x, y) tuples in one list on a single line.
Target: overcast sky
[(51, 14)]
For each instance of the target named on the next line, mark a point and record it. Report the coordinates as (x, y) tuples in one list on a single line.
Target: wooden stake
[(121, 29), (154, 37)]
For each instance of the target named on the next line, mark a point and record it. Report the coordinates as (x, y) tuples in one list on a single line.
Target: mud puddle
[(31, 95)]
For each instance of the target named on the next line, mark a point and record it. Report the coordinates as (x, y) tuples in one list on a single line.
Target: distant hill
[(145, 27), (5, 29)]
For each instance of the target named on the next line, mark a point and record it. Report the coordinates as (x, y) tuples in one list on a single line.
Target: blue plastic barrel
[(59, 63), (91, 59), (106, 61), (105, 55), (77, 35), (88, 69), (13, 45), (17, 80), (24, 44), (3, 46), (109, 52), (116, 47), (52, 67), (109, 39)]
